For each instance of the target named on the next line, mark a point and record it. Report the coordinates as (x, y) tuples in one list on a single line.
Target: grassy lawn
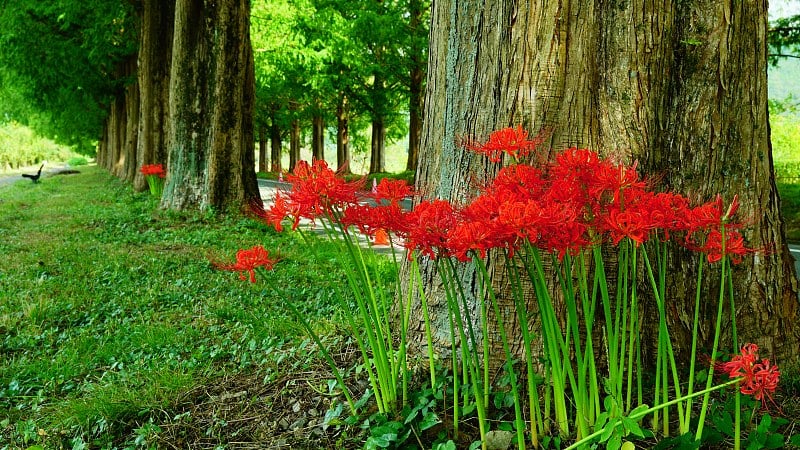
[(112, 319)]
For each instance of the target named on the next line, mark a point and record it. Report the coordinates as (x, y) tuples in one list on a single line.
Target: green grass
[(110, 309)]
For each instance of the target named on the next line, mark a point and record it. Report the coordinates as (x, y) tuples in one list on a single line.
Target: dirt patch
[(244, 412)]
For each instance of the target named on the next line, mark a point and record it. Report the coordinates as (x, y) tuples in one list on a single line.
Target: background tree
[(62, 59), (211, 156), (682, 89)]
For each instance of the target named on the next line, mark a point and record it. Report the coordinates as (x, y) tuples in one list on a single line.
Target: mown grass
[(110, 309)]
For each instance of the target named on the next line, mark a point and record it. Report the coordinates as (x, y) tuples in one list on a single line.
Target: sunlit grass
[(110, 309)]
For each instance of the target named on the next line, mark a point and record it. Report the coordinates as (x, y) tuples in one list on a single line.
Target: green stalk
[(684, 426), (470, 362), (737, 432), (383, 392), (522, 317), (322, 350), (639, 414), (520, 423), (634, 333), (663, 331), (415, 274), (723, 273)]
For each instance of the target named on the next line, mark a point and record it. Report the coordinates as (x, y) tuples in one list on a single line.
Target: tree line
[(181, 83)]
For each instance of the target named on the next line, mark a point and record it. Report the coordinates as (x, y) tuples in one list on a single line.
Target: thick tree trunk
[(212, 158), (318, 137), (294, 144), (262, 149), (342, 136), (275, 145), (155, 57), (680, 88)]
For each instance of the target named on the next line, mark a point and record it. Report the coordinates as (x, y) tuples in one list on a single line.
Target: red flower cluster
[(153, 169), (511, 141), (247, 261), (317, 191), (576, 201), (759, 377)]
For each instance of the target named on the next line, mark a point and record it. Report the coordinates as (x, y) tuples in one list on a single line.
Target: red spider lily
[(247, 261), (466, 237), (629, 223), (759, 377), (734, 246), (153, 169), (712, 214), (520, 181), (511, 141), (615, 180), (428, 226), (317, 191), (392, 191), (369, 219)]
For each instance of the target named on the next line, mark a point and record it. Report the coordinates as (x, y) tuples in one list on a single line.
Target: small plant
[(77, 161), (154, 174)]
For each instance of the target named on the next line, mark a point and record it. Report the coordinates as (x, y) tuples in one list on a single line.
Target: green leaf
[(775, 440), (429, 420), (449, 445), (632, 427)]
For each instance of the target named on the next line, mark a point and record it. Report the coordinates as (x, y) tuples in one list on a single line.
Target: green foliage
[(784, 38), (21, 147), (110, 310), (60, 64)]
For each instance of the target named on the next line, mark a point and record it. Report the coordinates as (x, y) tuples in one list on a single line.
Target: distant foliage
[(20, 147)]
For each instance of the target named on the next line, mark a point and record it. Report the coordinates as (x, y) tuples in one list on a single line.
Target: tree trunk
[(377, 159), (262, 148), (212, 157), (118, 145), (276, 145), (416, 89), (155, 56), (342, 136), (680, 88), (318, 137), (294, 144)]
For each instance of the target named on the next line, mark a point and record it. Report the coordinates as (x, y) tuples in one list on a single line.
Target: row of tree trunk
[(190, 107)]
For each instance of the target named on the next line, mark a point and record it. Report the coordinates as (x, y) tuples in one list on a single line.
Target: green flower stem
[(469, 359), (721, 302), (486, 284), (336, 373), (415, 275), (537, 425), (669, 361), (644, 412), (684, 426)]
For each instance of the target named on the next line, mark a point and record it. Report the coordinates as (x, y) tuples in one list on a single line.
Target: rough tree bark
[(154, 60), (211, 159), (679, 86)]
